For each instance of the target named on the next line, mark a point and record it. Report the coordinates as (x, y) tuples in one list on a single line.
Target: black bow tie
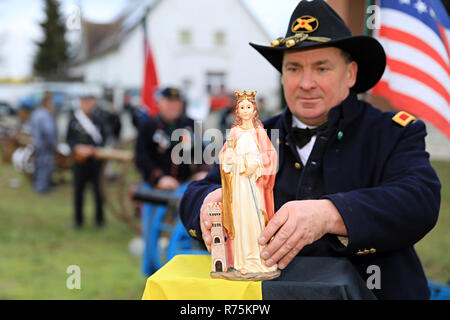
[(303, 136)]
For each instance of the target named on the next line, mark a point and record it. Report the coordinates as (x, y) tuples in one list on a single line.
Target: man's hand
[(297, 224), (205, 223), (167, 183), (84, 150), (199, 175)]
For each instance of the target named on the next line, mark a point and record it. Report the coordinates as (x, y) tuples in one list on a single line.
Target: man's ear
[(352, 71)]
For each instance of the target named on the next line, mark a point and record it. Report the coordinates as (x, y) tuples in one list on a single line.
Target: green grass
[(433, 250), (37, 244)]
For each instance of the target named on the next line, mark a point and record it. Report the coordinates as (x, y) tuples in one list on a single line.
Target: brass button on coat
[(298, 166), (193, 233)]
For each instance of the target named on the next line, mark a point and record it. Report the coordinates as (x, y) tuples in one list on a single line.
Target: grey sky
[(19, 25)]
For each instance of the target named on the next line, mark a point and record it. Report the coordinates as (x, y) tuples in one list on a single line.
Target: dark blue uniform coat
[(377, 174), (154, 150)]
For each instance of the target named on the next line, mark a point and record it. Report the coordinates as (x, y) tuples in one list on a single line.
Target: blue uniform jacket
[(154, 150), (378, 175)]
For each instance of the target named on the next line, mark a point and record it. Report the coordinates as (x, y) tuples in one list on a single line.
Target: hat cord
[(299, 37)]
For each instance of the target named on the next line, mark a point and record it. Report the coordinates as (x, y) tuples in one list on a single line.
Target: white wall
[(244, 67), (175, 63)]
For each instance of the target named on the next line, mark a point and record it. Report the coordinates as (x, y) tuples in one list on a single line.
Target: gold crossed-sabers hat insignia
[(245, 95), (305, 24)]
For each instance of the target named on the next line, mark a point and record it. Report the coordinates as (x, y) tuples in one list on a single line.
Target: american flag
[(416, 35)]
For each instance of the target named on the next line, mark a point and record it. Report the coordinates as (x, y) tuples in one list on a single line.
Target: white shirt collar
[(304, 152), (299, 124)]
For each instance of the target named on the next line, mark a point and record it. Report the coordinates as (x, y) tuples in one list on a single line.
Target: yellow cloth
[(187, 277)]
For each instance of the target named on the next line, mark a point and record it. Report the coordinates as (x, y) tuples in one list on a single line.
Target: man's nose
[(307, 81)]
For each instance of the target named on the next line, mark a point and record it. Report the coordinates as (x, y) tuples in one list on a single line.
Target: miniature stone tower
[(218, 251)]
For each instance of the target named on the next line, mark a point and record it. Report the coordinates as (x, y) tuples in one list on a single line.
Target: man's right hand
[(205, 223), (83, 151), (167, 183)]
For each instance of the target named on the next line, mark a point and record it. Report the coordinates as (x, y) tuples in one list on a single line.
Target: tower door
[(219, 266)]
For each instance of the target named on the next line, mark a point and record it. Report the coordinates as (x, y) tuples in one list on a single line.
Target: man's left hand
[(297, 224)]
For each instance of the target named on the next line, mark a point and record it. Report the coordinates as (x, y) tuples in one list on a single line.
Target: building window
[(219, 38), (215, 82), (185, 37)]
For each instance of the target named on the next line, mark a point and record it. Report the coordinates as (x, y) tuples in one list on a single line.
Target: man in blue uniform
[(45, 140), (154, 145), (352, 181)]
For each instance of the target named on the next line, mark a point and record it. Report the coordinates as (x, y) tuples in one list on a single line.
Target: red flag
[(415, 35), (150, 82)]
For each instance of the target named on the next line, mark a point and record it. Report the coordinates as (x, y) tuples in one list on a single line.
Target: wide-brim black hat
[(315, 24)]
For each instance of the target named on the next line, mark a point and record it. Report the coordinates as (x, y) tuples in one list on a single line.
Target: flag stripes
[(417, 76)]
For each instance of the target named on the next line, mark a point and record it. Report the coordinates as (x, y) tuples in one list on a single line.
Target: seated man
[(352, 181), (154, 145)]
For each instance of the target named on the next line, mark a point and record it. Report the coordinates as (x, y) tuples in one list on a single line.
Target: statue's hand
[(251, 169), (228, 157)]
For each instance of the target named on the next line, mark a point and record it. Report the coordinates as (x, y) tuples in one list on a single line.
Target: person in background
[(154, 145), (264, 112), (114, 122), (45, 141), (85, 133), (113, 127), (136, 113)]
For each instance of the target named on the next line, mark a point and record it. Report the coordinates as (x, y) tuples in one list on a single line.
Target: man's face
[(88, 104), (315, 81), (170, 109)]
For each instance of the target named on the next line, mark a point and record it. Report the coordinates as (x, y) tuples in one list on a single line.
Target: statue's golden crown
[(245, 95)]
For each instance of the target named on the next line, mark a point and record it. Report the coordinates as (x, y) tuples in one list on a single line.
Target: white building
[(197, 45)]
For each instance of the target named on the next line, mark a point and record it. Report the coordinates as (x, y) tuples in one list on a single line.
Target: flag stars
[(421, 7), (432, 13), (405, 1)]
